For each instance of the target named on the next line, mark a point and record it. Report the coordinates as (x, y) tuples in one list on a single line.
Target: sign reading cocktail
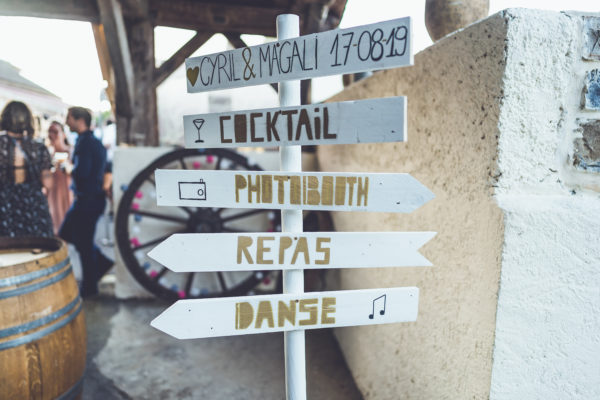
[(342, 51), (362, 121)]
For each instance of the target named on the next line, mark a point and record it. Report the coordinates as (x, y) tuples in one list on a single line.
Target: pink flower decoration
[(181, 294), (153, 274), (210, 159), (135, 206), (197, 164), (134, 242), (139, 194)]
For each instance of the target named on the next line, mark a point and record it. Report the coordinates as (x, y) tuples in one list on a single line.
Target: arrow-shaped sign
[(200, 318), (347, 122), (341, 51), (291, 190), (265, 251)]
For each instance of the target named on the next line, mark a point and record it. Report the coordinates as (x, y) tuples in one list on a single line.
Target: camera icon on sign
[(192, 190)]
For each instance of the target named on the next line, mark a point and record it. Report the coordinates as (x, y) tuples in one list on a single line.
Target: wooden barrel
[(42, 326)]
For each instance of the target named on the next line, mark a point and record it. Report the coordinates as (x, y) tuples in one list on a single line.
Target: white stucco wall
[(511, 307), (547, 342)]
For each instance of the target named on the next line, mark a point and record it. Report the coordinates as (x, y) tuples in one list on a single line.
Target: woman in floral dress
[(24, 173)]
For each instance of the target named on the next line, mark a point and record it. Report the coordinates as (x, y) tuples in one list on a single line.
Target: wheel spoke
[(244, 215), (187, 210), (218, 164), (151, 180), (160, 274), (222, 281), (183, 163), (156, 241), (188, 283), (226, 229), (160, 216)]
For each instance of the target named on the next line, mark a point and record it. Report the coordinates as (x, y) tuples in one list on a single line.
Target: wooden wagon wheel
[(140, 225)]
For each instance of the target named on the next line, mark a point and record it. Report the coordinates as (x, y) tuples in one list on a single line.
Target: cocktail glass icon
[(198, 122)]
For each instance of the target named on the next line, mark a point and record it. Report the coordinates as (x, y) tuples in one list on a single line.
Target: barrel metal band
[(73, 391), (13, 330), (42, 332), (17, 280), (35, 286)]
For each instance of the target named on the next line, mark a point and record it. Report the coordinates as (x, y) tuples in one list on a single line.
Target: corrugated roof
[(11, 75)]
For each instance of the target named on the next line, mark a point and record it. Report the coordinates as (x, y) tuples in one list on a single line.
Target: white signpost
[(330, 123), (192, 319), (191, 252), (342, 51), (377, 46), (290, 190)]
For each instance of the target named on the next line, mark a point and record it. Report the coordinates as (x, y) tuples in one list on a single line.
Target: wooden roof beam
[(111, 18), (169, 66)]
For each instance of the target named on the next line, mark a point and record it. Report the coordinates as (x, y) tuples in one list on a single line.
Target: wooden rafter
[(118, 48), (161, 73)]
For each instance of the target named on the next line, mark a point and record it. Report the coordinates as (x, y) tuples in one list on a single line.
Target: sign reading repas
[(377, 46), (291, 190)]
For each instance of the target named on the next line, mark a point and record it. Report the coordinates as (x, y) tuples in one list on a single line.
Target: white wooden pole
[(288, 26)]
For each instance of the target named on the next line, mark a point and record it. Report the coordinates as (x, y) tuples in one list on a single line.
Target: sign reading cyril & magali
[(377, 46)]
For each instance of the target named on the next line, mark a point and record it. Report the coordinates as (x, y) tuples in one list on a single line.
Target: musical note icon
[(378, 300), (198, 124)]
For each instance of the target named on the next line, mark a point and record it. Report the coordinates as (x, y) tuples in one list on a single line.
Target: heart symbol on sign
[(192, 74)]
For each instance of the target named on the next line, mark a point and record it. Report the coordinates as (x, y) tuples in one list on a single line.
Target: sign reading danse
[(190, 319), (377, 46), (363, 121), (251, 251), (290, 190)]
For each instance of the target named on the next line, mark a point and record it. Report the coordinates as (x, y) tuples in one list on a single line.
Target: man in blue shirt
[(79, 226)]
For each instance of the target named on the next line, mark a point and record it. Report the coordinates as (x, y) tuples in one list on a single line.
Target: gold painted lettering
[(261, 249), (325, 250), (266, 185), (301, 247), (243, 243), (244, 314), (285, 312), (306, 305), (295, 190), (327, 307), (351, 182), (327, 190), (264, 312), (280, 187), (362, 192), (284, 243), (253, 188), (240, 183), (340, 190), (313, 197)]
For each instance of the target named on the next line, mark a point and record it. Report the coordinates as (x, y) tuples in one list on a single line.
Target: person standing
[(24, 175), (79, 226), (59, 197)]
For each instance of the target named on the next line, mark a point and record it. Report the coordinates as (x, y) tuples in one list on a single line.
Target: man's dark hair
[(16, 117), (81, 112)]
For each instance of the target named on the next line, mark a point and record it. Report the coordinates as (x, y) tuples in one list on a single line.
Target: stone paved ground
[(128, 359)]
